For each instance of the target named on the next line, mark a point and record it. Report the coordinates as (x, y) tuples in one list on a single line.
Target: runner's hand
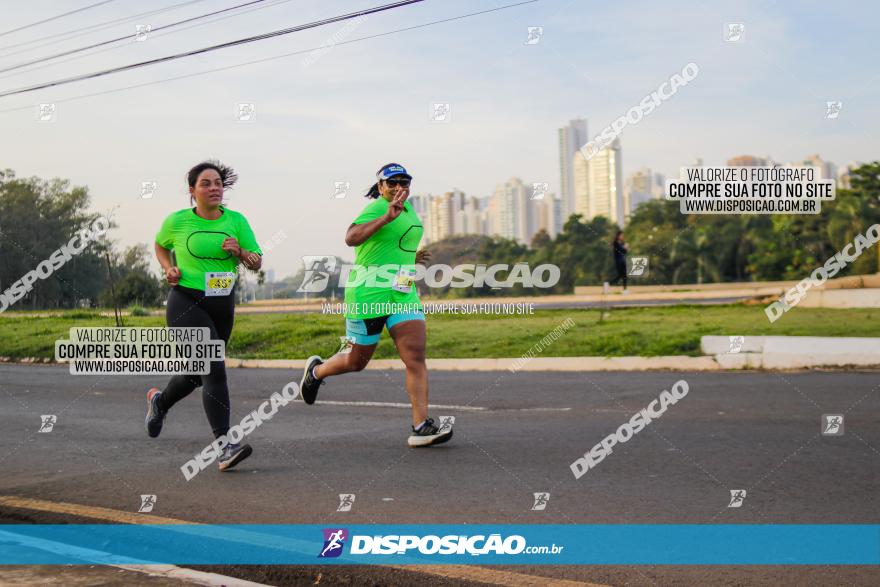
[(230, 245), (172, 275), (423, 257), (395, 206)]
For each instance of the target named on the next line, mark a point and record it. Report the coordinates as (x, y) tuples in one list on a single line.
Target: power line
[(122, 38), (85, 30), (152, 35), (235, 43), (45, 20), (282, 56)]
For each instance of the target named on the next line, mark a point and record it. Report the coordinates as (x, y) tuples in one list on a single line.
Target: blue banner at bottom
[(631, 544)]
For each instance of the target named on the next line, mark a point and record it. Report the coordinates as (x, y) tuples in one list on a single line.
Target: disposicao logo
[(334, 542), (443, 545)]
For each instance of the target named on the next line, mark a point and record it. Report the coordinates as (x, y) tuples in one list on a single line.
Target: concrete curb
[(190, 576), (792, 352)]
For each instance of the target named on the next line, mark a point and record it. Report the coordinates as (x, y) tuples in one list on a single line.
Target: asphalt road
[(738, 430)]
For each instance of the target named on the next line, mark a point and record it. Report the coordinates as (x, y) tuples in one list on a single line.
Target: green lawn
[(632, 331)]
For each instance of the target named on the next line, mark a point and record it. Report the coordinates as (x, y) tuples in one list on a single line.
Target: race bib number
[(404, 279), (219, 283)]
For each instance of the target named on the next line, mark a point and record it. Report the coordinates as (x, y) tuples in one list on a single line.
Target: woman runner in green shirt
[(381, 293), (209, 242)]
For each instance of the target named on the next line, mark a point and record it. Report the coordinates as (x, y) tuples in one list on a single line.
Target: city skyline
[(518, 209)]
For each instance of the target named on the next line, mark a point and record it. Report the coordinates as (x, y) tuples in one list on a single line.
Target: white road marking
[(402, 405)]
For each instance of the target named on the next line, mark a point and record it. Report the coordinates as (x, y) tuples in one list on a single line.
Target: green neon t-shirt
[(377, 260), (197, 242)]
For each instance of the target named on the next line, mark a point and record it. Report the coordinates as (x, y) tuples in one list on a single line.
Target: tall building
[(571, 138), (581, 186), (528, 221), (548, 215), (660, 185), (511, 213), (421, 204), (471, 221), (749, 161), (453, 213), (643, 186), (458, 200), (607, 197), (485, 222), (442, 215), (827, 169), (599, 185), (557, 217), (844, 176)]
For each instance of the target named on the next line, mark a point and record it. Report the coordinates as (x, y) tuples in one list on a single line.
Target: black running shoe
[(308, 386), (430, 433), (155, 417), (234, 454)]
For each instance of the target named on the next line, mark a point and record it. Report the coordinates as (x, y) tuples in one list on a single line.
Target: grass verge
[(673, 330)]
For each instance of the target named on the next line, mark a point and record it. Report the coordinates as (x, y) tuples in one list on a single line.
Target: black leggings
[(191, 308), (620, 265)]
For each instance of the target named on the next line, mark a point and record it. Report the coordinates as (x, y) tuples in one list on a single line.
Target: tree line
[(37, 217)]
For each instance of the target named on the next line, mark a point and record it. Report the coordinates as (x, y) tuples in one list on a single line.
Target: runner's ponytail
[(374, 191)]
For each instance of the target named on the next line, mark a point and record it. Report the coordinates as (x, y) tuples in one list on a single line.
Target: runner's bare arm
[(172, 273), (358, 233), (251, 260)]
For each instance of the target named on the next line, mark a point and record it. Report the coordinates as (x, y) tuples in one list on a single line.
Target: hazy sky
[(361, 105)]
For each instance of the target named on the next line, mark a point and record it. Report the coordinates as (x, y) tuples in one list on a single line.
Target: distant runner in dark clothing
[(620, 249)]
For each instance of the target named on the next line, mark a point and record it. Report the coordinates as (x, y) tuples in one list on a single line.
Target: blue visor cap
[(392, 170)]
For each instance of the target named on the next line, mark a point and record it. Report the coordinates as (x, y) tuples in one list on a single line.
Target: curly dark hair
[(227, 174)]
